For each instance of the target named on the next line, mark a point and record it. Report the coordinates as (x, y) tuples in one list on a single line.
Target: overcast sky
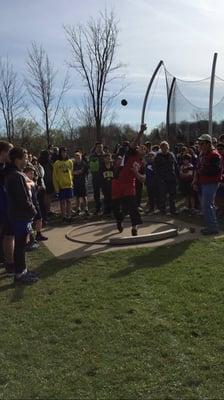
[(184, 33)]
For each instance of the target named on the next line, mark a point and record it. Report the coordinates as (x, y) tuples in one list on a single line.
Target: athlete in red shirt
[(123, 185)]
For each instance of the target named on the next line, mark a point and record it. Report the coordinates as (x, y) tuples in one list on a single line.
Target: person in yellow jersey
[(63, 182)]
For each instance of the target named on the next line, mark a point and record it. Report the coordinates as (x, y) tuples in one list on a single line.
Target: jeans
[(208, 192)]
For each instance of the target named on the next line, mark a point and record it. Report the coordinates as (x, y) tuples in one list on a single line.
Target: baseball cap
[(205, 138)]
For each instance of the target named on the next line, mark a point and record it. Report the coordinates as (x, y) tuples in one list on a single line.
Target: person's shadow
[(157, 258)]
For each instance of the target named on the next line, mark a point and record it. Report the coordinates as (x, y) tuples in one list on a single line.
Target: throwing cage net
[(188, 109), (179, 108)]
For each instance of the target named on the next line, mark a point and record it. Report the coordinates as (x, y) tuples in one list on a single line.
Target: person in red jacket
[(207, 179), (124, 184), (219, 200)]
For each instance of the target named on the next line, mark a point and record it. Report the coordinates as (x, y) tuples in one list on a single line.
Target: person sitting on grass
[(21, 213), (80, 171), (63, 183)]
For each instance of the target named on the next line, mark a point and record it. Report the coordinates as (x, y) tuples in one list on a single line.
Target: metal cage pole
[(211, 95), (168, 108), (148, 90)]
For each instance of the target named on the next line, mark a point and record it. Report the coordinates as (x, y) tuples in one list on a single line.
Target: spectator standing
[(80, 171), (151, 183), (45, 161), (63, 182), (21, 211), (186, 179), (207, 179), (166, 171), (219, 200), (95, 164), (107, 176), (6, 230), (41, 189)]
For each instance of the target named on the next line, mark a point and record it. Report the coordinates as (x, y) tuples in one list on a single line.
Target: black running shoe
[(9, 269), (134, 232), (26, 279), (120, 227), (40, 237)]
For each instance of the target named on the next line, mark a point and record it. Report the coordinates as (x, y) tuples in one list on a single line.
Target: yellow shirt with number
[(63, 175)]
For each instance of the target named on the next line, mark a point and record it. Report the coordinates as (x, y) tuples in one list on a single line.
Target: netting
[(186, 116), (188, 112)]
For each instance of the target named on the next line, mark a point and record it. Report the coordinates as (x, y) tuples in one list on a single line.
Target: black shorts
[(7, 228), (80, 190), (186, 188)]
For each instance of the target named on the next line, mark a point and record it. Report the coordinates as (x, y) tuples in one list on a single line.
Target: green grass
[(136, 324)]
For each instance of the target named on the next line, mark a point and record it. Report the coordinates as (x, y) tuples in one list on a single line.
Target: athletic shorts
[(65, 194), (8, 227), (80, 191), (22, 227)]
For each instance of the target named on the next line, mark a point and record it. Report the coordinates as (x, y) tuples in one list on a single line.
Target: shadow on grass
[(157, 258)]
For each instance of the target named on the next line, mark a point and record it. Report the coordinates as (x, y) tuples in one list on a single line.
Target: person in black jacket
[(80, 172), (107, 176), (21, 212), (95, 165), (166, 171), (6, 232), (4, 151)]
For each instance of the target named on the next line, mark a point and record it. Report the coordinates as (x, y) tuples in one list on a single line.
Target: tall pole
[(211, 96), (148, 90), (168, 109)]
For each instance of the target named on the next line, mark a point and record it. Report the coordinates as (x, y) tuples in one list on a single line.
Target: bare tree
[(69, 123), (85, 114), (11, 97), (41, 86), (94, 48)]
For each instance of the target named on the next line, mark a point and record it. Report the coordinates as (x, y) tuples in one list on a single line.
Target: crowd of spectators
[(29, 183)]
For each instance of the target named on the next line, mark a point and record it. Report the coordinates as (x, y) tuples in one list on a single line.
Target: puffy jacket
[(210, 167), (20, 205)]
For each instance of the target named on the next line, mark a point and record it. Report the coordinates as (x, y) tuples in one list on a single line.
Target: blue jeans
[(208, 192)]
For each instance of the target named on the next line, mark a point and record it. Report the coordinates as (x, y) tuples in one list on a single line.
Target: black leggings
[(41, 201), (124, 206), (19, 253)]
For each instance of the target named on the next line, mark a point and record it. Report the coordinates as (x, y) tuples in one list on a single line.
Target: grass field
[(136, 324)]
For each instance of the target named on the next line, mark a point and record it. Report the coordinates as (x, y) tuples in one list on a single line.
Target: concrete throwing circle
[(105, 233)]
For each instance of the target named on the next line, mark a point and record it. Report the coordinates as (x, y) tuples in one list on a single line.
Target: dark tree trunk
[(47, 129), (98, 130)]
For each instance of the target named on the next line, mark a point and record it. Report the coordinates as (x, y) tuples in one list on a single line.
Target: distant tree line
[(27, 133)]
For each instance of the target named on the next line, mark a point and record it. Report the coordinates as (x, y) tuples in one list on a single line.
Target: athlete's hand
[(143, 128), (135, 168)]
